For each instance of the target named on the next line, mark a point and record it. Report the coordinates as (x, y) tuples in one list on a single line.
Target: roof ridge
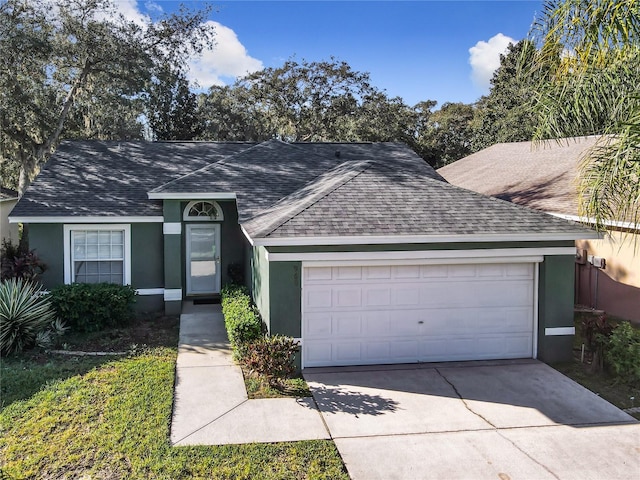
[(354, 169), (227, 160), (206, 167)]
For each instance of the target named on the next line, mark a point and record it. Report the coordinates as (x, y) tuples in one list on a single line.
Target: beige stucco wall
[(622, 254), (8, 230), (616, 289)]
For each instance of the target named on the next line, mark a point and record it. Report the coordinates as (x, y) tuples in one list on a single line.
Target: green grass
[(104, 418)]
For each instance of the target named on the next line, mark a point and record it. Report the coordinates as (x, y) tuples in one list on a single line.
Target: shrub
[(623, 352), (596, 330), (24, 314), (241, 317), (272, 357), (90, 307), (19, 262)]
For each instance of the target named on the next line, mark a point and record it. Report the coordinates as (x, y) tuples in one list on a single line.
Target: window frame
[(187, 218), (69, 276)]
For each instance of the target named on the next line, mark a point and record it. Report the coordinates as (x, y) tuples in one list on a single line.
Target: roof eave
[(191, 195), (400, 239), (85, 219), (593, 221)]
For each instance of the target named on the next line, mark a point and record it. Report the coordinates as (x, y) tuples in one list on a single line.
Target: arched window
[(202, 210)]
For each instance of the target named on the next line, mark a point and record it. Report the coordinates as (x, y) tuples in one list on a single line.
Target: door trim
[(189, 228)]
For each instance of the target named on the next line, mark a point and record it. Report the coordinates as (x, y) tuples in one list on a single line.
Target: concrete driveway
[(473, 420)]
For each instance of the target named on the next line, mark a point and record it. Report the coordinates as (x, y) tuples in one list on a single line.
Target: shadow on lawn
[(25, 375)]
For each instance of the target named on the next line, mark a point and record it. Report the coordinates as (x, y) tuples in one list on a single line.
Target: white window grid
[(116, 249)]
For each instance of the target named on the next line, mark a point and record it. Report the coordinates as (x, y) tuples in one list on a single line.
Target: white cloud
[(227, 59), (484, 58), (129, 9), (153, 7)]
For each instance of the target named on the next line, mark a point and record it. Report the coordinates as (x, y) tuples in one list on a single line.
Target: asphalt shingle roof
[(282, 190), (379, 199), (95, 178), (541, 176)]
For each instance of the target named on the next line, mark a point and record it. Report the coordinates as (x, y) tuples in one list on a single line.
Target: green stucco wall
[(147, 248), (285, 298), (232, 240), (259, 284), (555, 307), (48, 241)]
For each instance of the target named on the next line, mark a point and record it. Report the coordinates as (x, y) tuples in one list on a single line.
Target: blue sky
[(418, 50)]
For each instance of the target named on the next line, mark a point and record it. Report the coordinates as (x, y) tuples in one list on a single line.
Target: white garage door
[(417, 313)]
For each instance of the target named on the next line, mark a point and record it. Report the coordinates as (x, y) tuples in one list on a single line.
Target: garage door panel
[(434, 271), (347, 297), (376, 324), (347, 325), (348, 353), (318, 297), (408, 296), (391, 314), (318, 325), (462, 271), (317, 274), (347, 273), (317, 354), (377, 296), (377, 273), (406, 271), (519, 270)]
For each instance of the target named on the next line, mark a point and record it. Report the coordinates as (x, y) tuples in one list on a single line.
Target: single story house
[(544, 177), (8, 200), (359, 250)]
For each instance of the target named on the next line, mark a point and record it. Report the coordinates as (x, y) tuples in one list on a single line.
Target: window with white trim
[(97, 253), (200, 210)]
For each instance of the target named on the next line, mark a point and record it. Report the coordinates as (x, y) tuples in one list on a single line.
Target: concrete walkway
[(211, 405)]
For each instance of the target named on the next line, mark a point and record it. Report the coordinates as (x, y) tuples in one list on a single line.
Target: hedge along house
[(360, 250)]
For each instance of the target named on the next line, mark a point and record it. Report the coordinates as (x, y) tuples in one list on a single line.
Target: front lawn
[(100, 417)]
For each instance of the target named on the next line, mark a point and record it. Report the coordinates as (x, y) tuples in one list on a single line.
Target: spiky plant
[(24, 313)]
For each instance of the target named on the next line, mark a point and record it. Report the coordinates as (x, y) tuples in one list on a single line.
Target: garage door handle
[(420, 322)]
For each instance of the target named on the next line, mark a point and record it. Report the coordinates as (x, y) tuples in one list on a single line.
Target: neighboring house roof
[(7, 194), (282, 190), (537, 175)]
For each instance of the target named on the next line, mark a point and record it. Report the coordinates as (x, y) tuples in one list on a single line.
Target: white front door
[(203, 259), (417, 313)]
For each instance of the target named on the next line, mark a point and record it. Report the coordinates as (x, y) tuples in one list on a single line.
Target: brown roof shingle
[(540, 176)]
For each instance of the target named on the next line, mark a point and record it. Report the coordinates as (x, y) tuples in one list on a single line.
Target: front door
[(203, 259)]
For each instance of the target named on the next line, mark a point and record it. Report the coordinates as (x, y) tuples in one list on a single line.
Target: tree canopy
[(65, 57), (304, 101), (506, 113)]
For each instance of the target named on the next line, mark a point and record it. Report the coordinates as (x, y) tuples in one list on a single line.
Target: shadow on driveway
[(441, 396)]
